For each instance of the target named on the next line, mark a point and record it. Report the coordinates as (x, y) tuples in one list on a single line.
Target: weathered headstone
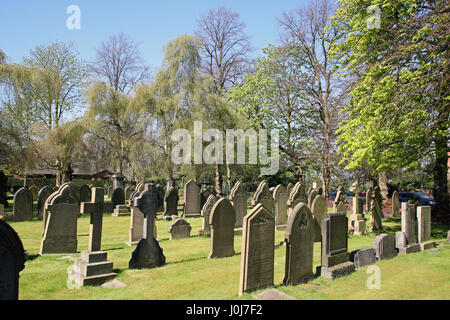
[(363, 257), (424, 227), (299, 238), (180, 228), (264, 196), (335, 257), (43, 195), (148, 253), (23, 205), (191, 199), (384, 245), (60, 234), (118, 197), (408, 239), (171, 202), (238, 198), (319, 210), (222, 220), (280, 197), (85, 193), (395, 204), (257, 254), (136, 226), (206, 212), (12, 262), (93, 268)]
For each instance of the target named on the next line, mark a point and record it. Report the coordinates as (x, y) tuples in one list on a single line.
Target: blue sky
[(151, 23)]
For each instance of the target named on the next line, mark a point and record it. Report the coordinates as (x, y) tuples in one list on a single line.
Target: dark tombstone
[(43, 195), (118, 197), (85, 193), (148, 253), (12, 261)]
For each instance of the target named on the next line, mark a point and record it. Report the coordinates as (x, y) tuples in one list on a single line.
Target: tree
[(119, 64), (307, 29), (398, 111), (224, 51)]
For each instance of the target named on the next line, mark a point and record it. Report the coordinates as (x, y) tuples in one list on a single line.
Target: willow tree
[(398, 113)]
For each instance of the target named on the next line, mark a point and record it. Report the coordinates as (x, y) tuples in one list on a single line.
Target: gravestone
[(85, 193), (408, 243), (238, 198), (335, 257), (136, 226), (206, 212), (180, 228), (12, 262), (257, 254), (23, 205), (264, 196), (384, 245), (118, 197), (3, 188), (191, 199), (93, 268), (171, 202), (34, 192), (148, 253), (61, 212), (43, 195), (280, 197), (222, 221), (319, 210), (311, 196), (424, 227), (299, 239), (395, 204), (363, 257)]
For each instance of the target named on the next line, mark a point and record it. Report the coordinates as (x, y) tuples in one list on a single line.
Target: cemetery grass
[(189, 275)]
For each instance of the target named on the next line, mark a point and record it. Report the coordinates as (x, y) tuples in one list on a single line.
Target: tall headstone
[(395, 204), (93, 268), (335, 257), (319, 210), (222, 221), (264, 196), (424, 227), (299, 239), (12, 262), (257, 254), (238, 198), (85, 193), (280, 197), (171, 202), (206, 212), (148, 253), (43, 195), (23, 205), (191, 199), (407, 240), (60, 233)]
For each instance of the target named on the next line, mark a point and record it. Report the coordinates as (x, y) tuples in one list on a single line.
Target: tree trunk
[(383, 183), (440, 188), (218, 181)]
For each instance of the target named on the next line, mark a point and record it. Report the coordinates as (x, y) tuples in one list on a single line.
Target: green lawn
[(189, 274)]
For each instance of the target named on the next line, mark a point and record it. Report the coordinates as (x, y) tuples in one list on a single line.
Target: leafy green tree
[(398, 111)]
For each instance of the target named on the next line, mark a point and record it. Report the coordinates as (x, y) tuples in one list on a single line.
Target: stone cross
[(95, 209), (148, 202)]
